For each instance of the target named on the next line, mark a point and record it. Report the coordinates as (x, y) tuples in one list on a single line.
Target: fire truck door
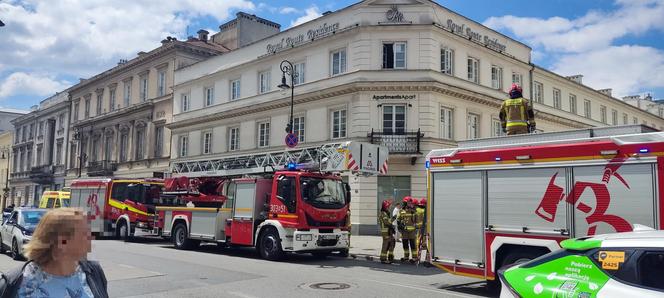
[(242, 228)]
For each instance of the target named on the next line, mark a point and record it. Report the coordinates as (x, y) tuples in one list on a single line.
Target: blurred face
[(80, 244)]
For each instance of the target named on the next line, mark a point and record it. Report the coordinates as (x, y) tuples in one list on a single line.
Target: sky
[(46, 46)]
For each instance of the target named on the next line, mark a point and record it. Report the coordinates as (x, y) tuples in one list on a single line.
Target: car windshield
[(323, 193), (30, 219)]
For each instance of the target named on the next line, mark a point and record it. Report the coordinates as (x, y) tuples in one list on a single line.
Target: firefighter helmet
[(386, 205), (422, 202), (515, 91), (407, 199)]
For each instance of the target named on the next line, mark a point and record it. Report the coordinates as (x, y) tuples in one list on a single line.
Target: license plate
[(328, 237)]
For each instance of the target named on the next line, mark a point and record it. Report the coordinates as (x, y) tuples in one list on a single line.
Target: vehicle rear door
[(242, 227)]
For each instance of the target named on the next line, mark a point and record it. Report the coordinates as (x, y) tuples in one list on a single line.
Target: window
[(111, 100), (497, 128), (635, 120), (446, 126), (40, 131), (338, 62), (264, 82), (61, 121), (586, 108), (447, 61), (40, 152), (207, 142), (286, 192), (517, 78), (339, 124), (473, 121), (140, 144), (184, 102), (235, 89), (298, 128), (127, 93), (557, 101), (572, 104), (264, 134), (100, 98), (473, 70), (614, 117), (87, 108), (602, 114), (18, 134), (234, 139), (158, 141), (538, 94), (394, 119), (58, 153), (124, 144), (95, 149), (496, 77), (625, 119), (299, 73), (184, 146), (209, 96), (651, 269), (394, 55), (73, 156), (143, 93), (161, 82), (108, 148), (84, 150)]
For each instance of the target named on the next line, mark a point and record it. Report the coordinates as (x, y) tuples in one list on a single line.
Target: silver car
[(17, 229)]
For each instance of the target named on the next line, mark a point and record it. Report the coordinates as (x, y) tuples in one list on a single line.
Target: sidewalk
[(369, 247)]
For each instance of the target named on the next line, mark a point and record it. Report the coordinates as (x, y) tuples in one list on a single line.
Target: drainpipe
[(532, 67)]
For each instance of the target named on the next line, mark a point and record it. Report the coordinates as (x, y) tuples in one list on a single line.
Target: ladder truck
[(499, 201), (278, 202)]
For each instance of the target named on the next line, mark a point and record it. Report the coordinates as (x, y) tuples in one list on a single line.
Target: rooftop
[(13, 111)]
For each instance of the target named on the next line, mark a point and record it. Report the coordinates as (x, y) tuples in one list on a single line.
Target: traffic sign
[(291, 140)]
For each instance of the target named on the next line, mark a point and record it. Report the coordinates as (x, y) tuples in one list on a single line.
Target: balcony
[(101, 168), (42, 174), (407, 142)]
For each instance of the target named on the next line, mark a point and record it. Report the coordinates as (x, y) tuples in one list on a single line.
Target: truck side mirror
[(347, 188)]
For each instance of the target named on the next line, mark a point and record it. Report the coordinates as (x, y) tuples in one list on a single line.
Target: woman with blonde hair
[(57, 265)]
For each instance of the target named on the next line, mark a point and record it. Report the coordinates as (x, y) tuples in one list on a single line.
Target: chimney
[(203, 35), (576, 78), (607, 91), (648, 97)]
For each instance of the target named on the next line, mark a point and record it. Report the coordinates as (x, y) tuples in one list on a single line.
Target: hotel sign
[(293, 41), (467, 32)]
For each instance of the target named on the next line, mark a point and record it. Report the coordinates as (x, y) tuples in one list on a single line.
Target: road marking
[(421, 289), (243, 295)]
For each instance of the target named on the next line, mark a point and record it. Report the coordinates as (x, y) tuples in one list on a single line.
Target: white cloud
[(310, 14), (287, 10), (21, 83), (79, 38)]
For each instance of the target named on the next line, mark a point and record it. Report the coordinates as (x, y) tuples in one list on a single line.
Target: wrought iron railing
[(102, 167), (398, 142)]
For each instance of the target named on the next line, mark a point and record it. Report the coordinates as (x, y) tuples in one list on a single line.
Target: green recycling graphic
[(567, 277)]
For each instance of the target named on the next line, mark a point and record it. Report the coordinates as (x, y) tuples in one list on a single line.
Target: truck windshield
[(323, 193)]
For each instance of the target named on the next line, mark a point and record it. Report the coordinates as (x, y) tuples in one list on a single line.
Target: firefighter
[(516, 113), (420, 214), (387, 232), (406, 221)]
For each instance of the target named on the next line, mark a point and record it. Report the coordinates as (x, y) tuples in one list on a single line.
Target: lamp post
[(288, 69), (78, 136), (5, 190)]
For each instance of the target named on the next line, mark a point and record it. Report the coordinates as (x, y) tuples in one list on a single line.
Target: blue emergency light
[(292, 166), (427, 164), (644, 150), (498, 159)]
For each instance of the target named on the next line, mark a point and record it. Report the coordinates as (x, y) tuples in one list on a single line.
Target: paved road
[(154, 269)]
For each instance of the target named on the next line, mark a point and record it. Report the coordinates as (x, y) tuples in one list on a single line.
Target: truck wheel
[(122, 231), (181, 237), (344, 253), (14, 252), (270, 246)]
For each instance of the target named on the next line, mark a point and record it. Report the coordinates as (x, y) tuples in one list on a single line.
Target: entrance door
[(243, 214)]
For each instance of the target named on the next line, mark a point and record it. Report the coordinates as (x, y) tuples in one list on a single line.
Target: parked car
[(613, 265), (17, 230)]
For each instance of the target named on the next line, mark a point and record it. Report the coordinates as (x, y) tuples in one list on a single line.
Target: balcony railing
[(42, 174), (404, 142), (102, 168)]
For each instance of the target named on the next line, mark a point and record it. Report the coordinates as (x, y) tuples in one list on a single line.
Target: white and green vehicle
[(606, 266)]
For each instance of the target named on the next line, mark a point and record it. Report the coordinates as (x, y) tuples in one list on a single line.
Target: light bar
[(522, 157), (427, 164), (644, 150), (608, 152), (498, 159), (455, 161)]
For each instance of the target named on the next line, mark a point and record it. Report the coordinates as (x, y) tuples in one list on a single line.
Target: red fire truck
[(500, 201), (117, 206), (251, 200)]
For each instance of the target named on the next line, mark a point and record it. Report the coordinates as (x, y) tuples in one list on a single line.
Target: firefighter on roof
[(516, 113), (406, 221), (387, 232)]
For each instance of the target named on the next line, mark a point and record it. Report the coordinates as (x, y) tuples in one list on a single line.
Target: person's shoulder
[(89, 266)]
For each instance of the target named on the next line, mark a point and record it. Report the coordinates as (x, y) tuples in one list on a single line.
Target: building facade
[(39, 150), (119, 117), (6, 116), (5, 165), (411, 75), (646, 103)]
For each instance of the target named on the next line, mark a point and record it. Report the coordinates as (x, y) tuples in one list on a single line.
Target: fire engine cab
[(499, 201), (277, 202)]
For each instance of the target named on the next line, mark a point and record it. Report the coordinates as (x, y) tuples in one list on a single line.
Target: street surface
[(151, 268)]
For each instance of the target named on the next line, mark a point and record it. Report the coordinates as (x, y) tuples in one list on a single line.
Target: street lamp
[(78, 136), (6, 189), (287, 69)]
